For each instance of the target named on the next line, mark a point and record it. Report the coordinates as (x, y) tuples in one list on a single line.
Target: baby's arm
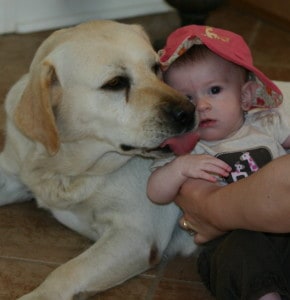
[(165, 182)]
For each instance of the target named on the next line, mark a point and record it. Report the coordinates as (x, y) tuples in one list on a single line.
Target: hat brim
[(268, 94)]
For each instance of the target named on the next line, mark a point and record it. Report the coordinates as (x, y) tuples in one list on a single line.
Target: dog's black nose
[(181, 116)]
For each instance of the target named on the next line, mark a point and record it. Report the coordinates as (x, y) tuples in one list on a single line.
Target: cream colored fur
[(77, 125)]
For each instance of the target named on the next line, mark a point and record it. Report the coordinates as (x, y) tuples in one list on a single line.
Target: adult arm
[(260, 202)]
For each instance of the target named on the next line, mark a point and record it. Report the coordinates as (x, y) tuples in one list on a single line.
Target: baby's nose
[(203, 104)]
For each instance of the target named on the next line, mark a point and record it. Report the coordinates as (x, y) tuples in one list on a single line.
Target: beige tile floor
[(32, 243)]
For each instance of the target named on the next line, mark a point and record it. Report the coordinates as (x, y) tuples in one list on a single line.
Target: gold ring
[(185, 225)]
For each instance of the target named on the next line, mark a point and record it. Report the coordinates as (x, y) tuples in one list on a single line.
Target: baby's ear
[(248, 94)]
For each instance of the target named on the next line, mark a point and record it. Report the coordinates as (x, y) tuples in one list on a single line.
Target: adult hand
[(192, 199), (259, 202)]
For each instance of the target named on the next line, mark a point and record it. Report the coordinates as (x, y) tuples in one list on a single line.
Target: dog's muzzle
[(181, 118)]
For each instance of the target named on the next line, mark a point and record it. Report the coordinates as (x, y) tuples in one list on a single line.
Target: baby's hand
[(202, 166)]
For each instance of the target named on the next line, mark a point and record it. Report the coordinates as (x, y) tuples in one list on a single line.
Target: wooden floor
[(276, 12), (32, 243)]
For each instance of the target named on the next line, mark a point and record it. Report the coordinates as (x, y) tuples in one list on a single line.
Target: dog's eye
[(117, 83)]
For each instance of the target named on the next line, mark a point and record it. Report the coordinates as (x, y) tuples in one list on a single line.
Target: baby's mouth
[(207, 123)]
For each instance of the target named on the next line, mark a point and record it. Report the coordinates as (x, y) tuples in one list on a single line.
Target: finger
[(198, 239), (209, 177), (222, 164), (216, 170)]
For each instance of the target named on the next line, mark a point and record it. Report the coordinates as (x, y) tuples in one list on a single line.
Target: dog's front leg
[(114, 258)]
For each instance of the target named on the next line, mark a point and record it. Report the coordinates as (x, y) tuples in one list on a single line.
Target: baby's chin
[(211, 135)]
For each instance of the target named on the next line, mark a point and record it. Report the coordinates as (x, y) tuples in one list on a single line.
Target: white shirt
[(255, 144)]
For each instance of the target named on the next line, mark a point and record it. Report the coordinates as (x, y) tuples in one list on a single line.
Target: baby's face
[(214, 85)]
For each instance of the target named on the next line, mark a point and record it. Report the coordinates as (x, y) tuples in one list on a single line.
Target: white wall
[(33, 15)]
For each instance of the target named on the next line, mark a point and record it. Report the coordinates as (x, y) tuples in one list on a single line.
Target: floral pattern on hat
[(180, 50), (265, 96)]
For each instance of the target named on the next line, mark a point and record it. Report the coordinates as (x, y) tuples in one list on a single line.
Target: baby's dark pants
[(245, 265)]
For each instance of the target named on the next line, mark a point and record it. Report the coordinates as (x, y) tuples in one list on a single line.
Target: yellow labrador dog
[(82, 128)]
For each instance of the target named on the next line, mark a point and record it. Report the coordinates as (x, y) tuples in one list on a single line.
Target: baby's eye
[(215, 90)]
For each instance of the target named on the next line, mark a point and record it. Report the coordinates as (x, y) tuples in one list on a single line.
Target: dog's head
[(98, 81)]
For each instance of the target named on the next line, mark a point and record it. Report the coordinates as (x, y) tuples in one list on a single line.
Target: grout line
[(189, 282), (28, 260), (161, 268)]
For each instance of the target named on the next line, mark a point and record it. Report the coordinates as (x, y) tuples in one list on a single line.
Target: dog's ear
[(34, 113)]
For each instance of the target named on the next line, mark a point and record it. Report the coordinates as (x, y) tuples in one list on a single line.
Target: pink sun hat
[(227, 45)]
